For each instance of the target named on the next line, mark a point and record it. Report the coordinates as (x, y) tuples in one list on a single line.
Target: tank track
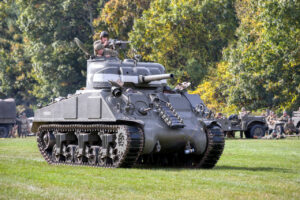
[(211, 155), (134, 147), (214, 149), (128, 155)]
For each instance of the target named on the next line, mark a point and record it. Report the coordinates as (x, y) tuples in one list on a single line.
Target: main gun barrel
[(158, 77)]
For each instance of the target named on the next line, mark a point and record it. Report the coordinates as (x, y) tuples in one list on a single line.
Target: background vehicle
[(254, 126), (7, 116), (296, 118)]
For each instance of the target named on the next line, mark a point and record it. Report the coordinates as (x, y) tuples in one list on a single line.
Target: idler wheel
[(214, 149), (48, 140)]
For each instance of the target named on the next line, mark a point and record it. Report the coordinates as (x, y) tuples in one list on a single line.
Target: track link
[(132, 148), (214, 149)]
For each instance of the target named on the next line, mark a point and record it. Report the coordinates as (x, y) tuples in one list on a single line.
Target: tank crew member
[(104, 38), (100, 50), (289, 128), (284, 117)]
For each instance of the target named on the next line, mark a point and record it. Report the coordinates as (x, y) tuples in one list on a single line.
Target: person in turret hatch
[(104, 38)]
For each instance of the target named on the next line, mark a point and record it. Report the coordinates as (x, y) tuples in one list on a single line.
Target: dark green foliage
[(264, 60), (59, 66), (16, 80), (117, 16), (187, 37), (242, 53)]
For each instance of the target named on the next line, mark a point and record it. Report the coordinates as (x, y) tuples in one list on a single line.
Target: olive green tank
[(128, 116)]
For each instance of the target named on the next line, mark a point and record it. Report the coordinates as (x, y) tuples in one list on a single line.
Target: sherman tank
[(128, 116)]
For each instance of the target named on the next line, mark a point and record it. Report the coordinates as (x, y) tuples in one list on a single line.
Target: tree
[(118, 16), (211, 90), (50, 26), (262, 63), (15, 68), (187, 37), (265, 59)]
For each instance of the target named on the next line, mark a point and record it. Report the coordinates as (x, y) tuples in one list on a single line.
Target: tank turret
[(102, 70), (128, 115)]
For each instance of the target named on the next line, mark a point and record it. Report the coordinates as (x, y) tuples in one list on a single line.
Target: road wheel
[(247, 133), (257, 131), (56, 156), (3, 132)]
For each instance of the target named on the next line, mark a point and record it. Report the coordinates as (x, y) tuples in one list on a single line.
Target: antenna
[(81, 46)]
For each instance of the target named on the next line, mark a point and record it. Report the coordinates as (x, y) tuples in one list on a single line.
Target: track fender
[(209, 123)]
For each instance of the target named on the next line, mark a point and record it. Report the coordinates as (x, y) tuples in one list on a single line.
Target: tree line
[(235, 53)]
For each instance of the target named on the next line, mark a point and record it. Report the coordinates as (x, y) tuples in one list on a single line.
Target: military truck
[(251, 126), (7, 116), (128, 115)]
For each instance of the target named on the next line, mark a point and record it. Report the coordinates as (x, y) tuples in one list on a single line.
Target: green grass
[(248, 169)]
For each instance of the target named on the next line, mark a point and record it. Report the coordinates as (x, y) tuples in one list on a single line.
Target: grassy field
[(248, 169)]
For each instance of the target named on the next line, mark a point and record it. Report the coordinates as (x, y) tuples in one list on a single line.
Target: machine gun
[(158, 77), (117, 44), (112, 44)]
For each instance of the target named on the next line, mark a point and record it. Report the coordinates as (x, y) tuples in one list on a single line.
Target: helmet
[(103, 34)]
